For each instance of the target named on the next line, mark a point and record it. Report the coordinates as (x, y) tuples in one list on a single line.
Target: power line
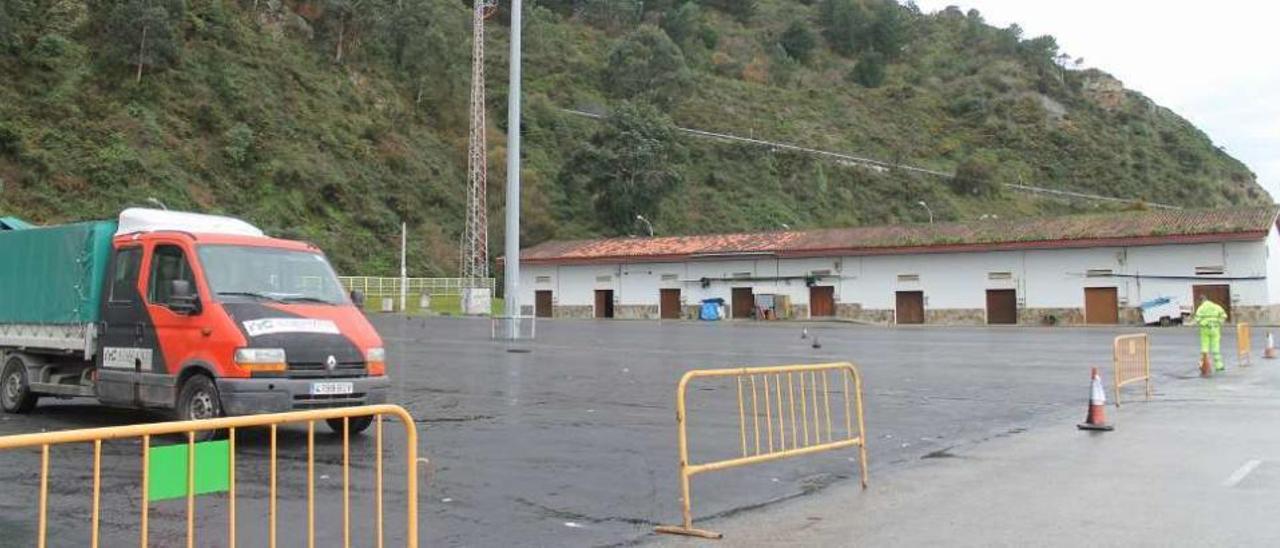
[(882, 166)]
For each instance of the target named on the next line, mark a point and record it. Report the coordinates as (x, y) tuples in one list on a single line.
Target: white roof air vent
[(135, 220)]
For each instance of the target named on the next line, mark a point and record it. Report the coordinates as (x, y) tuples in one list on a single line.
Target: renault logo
[(331, 363)]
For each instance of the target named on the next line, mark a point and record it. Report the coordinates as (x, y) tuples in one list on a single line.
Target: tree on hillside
[(428, 45), (844, 24), (799, 40), (342, 18), (647, 65), (144, 33), (8, 27), (628, 166), (890, 28), (852, 27), (683, 23)]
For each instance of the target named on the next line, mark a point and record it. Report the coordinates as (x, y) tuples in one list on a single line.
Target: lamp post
[(646, 224), (926, 208), (511, 283)]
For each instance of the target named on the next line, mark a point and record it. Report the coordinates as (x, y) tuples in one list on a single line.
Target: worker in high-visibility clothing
[(1210, 317)]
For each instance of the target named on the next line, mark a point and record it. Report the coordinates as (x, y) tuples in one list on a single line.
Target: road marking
[(1241, 472)]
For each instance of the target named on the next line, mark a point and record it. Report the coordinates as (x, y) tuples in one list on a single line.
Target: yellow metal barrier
[(146, 431), (811, 431), (1244, 345), (1131, 360)]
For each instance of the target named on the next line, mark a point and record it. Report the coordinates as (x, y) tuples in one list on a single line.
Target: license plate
[(331, 388)]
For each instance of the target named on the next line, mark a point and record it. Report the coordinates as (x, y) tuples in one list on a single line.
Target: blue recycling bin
[(711, 310)]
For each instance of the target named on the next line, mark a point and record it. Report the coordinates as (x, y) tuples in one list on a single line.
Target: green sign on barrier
[(167, 470)]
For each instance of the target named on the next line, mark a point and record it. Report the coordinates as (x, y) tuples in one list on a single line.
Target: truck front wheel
[(198, 400), (355, 424), (15, 391)]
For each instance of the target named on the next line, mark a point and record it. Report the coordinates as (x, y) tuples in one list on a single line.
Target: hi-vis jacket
[(1209, 315)]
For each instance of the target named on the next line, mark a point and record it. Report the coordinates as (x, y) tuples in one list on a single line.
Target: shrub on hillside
[(799, 40), (869, 72), (742, 10), (978, 175)]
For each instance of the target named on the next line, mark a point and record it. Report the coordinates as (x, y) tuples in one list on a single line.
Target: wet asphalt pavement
[(572, 440)]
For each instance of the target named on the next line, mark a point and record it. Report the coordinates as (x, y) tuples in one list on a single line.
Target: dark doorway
[(1002, 306), (1218, 293), (669, 301), (910, 307), (744, 303), (1101, 306), (822, 301), (604, 303), (542, 306)]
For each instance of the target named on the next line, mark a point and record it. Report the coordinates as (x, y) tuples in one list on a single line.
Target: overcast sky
[(1215, 63)]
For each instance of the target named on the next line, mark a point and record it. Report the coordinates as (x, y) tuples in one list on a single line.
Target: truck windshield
[(263, 273)]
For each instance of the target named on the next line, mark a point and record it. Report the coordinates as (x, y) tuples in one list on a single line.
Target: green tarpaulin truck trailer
[(51, 280)]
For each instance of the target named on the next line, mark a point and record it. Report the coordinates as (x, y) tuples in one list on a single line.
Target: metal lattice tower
[(475, 237)]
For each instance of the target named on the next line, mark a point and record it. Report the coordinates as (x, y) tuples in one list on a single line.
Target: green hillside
[(335, 120)]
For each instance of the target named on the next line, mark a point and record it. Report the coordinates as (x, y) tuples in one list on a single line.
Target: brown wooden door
[(669, 301), (604, 303), (542, 303), (1218, 293), (910, 307), (1002, 306), (1101, 306), (822, 301), (744, 302)]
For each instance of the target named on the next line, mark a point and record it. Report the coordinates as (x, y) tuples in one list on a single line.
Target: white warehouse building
[(1083, 269)]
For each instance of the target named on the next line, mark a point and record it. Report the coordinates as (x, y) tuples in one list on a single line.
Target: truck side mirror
[(357, 298), (182, 299)]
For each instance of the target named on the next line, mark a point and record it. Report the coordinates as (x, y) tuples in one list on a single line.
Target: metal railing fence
[(377, 287), (145, 432), (1131, 360), (767, 402)]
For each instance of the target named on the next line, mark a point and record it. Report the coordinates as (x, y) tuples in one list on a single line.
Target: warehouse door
[(822, 301), (1002, 306), (1101, 305), (542, 303), (670, 303), (744, 302), (910, 307), (1218, 293), (604, 303)]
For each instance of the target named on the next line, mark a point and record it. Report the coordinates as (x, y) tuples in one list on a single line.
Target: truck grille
[(318, 370), (327, 401)]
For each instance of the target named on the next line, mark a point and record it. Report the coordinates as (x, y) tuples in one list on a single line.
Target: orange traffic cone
[(1270, 352), (1097, 417), (1206, 368)]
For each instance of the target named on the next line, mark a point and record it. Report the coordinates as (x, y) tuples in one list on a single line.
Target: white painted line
[(1241, 472)]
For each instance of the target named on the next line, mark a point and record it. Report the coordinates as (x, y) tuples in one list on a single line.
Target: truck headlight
[(261, 360), (376, 359)]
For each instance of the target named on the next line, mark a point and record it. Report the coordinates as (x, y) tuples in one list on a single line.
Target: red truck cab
[(208, 316)]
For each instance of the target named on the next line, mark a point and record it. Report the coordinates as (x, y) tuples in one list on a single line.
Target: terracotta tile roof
[(1093, 230)]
